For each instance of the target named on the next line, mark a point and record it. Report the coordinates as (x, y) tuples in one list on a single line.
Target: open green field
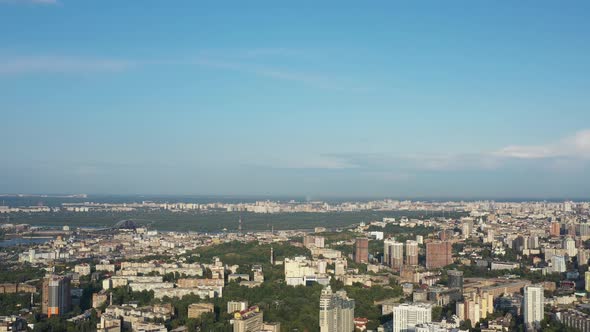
[(215, 221)]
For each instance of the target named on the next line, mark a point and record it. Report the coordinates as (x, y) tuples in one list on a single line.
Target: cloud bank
[(576, 146), (567, 154)]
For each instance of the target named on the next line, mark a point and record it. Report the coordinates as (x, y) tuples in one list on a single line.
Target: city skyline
[(317, 166), (468, 100)]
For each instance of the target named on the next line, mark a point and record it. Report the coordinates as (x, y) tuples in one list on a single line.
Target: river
[(23, 241)]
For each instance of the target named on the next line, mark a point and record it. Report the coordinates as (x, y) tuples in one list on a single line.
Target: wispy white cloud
[(260, 70), (59, 64), (257, 53), (31, 2), (569, 154), (15, 65), (307, 78), (268, 51), (386, 163), (326, 162), (576, 146)]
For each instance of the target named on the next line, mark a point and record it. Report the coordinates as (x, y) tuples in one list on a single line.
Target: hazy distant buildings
[(361, 250), (438, 254), (336, 311)]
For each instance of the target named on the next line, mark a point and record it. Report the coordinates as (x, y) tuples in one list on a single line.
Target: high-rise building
[(460, 310), (397, 255), (320, 241), (583, 256), (406, 316), (575, 319), (411, 252), (520, 243), (313, 241), (438, 254), (472, 310), (533, 242), (532, 307), (490, 236), (555, 229), (584, 231), (587, 281), (466, 227), (361, 250), (336, 311), (569, 245), (387, 248), (558, 264), (475, 307), (340, 267), (308, 241), (249, 320), (56, 298), (419, 239), (571, 229), (487, 304), (455, 279)]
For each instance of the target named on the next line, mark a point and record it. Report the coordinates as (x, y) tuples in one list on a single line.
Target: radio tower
[(272, 256)]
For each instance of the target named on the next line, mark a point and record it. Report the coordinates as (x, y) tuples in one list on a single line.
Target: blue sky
[(399, 99)]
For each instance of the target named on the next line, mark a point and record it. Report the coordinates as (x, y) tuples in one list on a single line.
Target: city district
[(489, 266)]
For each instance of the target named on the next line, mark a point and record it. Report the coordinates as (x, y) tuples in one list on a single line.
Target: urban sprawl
[(491, 266)]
